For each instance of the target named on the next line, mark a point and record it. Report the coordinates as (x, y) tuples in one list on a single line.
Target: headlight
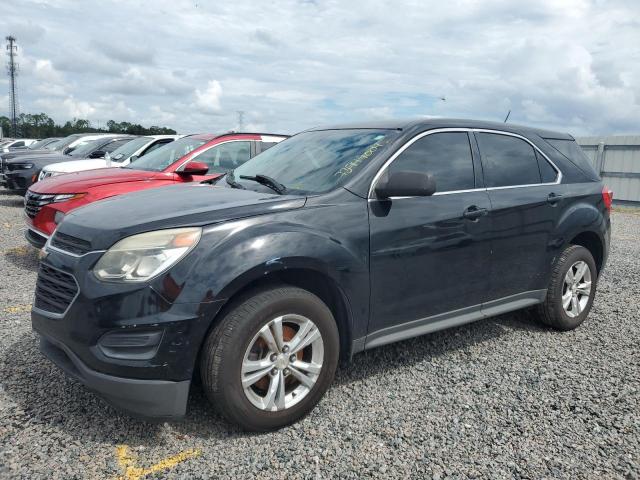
[(66, 196), (22, 166), (141, 257)]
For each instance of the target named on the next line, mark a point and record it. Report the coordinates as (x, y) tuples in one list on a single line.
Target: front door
[(430, 255)]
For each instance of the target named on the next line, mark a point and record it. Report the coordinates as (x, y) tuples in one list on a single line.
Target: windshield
[(129, 148), (65, 142), (164, 156), (85, 148), (39, 144), (318, 161), (53, 145)]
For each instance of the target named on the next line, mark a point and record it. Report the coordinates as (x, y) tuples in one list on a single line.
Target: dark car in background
[(334, 241), (21, 172)]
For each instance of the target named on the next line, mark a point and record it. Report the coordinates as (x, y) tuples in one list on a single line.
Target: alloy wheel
[(576, 289), (282, 362)]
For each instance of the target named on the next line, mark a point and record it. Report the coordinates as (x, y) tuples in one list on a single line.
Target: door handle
[(553, 198), (474, 213)]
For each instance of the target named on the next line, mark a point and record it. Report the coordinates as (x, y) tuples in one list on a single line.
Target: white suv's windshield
[(161, 158), (314, 162), (129, 148), (86, 148)]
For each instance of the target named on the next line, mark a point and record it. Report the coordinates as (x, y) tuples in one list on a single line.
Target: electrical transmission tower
[(240, 120), (12, 71)]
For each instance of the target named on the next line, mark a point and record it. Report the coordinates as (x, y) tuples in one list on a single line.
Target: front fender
[(235, 254)]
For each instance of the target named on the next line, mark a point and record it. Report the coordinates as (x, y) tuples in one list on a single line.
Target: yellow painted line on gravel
[(17, 308), (127, 463), (21, 251)]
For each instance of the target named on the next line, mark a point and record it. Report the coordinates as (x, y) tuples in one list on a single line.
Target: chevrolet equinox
[(332, 242)]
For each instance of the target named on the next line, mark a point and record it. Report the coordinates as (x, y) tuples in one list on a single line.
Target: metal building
[(617, 158)]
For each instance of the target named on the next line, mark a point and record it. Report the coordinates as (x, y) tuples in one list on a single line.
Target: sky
[(568, 65)]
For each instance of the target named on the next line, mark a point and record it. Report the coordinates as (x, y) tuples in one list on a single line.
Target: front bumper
[(97, 338), (19, 180), (158, 399), (35, 238)]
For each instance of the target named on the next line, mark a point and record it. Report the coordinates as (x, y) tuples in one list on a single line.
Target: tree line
[(40, 125)]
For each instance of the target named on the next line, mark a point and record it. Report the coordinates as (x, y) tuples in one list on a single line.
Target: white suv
[(118, 158)]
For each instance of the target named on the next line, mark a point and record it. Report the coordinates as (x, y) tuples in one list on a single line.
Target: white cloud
[(568, 65), (208, 100)]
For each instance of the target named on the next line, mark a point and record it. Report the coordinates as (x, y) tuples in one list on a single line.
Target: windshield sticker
[(353, 164)]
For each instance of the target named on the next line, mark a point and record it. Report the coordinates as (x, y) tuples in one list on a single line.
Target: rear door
[(430, 255), (524, 190)]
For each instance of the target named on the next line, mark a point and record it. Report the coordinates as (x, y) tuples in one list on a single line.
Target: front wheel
[(270, 358), (571, 290)]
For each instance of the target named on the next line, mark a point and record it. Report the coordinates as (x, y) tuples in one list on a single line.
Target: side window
[(266, 145), (547, 172), (226, 156), (18, 144), (447, 156), (111, 146), (507, 160)]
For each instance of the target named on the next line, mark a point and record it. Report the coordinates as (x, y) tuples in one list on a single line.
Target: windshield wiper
[(231, 181), (267, 182)]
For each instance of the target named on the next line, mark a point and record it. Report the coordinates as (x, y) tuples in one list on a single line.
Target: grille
[(55, 290), (70, 244), (33, 202)]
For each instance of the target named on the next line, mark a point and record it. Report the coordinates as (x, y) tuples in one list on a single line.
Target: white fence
[(617, 158)]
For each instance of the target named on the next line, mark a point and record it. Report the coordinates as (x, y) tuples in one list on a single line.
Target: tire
[(236, 341), (552, 312)]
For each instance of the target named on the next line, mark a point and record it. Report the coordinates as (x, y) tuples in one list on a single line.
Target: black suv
[(20, 172), (334, 241)]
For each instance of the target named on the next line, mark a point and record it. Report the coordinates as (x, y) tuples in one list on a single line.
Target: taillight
[(607, 197)]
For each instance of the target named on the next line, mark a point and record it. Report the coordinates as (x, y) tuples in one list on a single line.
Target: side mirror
[(194, 168), (133, 158), (405, 184), (97, 154)]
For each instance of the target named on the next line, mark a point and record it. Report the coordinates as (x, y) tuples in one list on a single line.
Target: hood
[(24, 153), (79, 165), (79, 182), (105, 222), (39, 159)]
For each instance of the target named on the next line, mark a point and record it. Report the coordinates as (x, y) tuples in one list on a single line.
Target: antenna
[(12, 72), (240, 120), (507, 117)]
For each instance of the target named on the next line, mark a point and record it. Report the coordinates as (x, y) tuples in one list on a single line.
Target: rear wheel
[(270, 358), (571, 290)]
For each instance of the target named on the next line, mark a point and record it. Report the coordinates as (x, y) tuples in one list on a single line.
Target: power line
[(12, 71)]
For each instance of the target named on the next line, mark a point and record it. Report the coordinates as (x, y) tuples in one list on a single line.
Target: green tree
[(40, 125)]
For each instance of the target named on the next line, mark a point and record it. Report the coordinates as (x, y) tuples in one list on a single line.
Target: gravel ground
[(502, 398)]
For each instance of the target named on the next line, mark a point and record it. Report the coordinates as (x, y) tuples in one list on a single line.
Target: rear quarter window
[(572, 151)]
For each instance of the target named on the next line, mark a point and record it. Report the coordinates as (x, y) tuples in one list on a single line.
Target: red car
[(190, 159)]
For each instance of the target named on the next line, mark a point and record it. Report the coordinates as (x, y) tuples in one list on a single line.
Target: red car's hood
[(82, 181)]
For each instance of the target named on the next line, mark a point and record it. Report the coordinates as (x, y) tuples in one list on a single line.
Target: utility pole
[(12, 71), (240, 120)]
